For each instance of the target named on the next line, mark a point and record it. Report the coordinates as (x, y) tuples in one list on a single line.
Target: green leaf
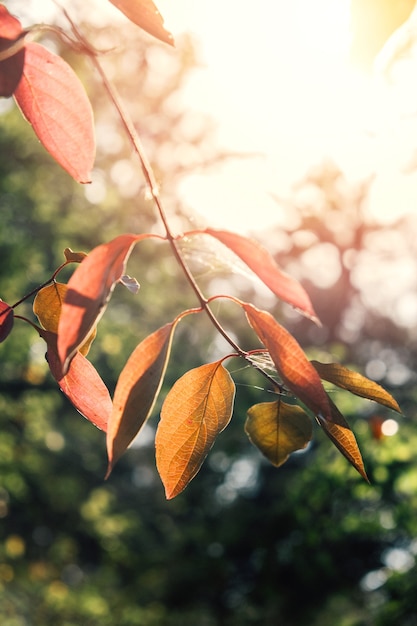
[(356, 383), (278, 429), (198, 407)]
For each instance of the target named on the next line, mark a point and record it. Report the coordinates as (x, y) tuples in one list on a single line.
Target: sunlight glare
[(277, 80)]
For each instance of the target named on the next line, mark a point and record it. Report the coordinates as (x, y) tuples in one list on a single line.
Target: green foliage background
[(245, 544)]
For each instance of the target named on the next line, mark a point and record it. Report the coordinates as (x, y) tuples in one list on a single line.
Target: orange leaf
[(47, 306), (198, 407), (11, 63), (82, 384), (355, 383), (263, 265), (290, 360), (340, 433), (136, 391), (277, 429), (89, 290), (54, 102), (6, 320), (144, 13)]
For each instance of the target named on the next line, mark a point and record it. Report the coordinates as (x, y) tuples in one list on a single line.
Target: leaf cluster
[(199, 406)]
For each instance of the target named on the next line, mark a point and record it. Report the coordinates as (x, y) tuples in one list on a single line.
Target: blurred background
[(316, 159)]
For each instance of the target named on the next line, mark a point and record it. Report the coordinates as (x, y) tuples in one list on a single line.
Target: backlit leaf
[(53, 100), (12, 54), (82, 384), (144, 13), (292, 365), (6, 320), (278, 429), (47, 307), (137, 390), (89, 290), (340, 433), (197, 408), (355, 383), (263, 265)]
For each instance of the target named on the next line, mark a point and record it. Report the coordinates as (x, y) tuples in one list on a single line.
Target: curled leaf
[(137, 390), (6, 320), (89, 290), (82, 384), (130, 283), (292, 365), (355, 383), (263, 265), (340, 433), (197, 408), (144, 13), (277, 429), (74, 257), (53, 100)]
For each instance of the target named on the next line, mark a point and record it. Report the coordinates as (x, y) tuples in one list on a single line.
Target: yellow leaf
[(355, 383), (277, 429), (47, 307), (340, 433), (198, 407)]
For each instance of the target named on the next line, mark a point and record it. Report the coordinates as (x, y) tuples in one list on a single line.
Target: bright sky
[(278, 82)]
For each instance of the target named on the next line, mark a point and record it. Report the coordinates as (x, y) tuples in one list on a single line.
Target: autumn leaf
[(295, 370), (6, 320), (82, 384), (89, 290), (74, 257), (12, 52), (47, 307), (263, 265), (144, 13), (277, 429), (355, 383), (137, 390), (340, 433), (197, 408), (54, 102)]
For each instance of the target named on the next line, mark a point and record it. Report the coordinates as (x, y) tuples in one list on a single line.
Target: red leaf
[(54, 102), (263, 265), (12, 55), (145, 14), (136, 391), (292, 365), (6, 320), (89, 290), (82, 384), (198, 407)]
